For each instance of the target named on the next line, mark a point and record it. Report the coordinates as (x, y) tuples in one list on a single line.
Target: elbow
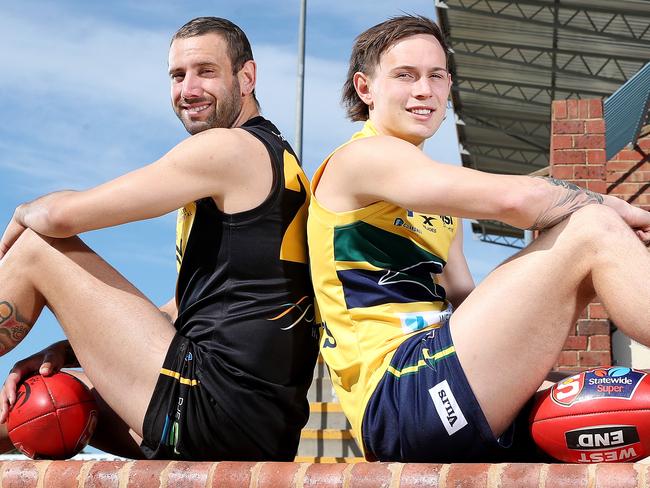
[(59, 221), (518, 206)]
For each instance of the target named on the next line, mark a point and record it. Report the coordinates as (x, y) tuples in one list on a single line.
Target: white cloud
[(107, 83), (84, 60)]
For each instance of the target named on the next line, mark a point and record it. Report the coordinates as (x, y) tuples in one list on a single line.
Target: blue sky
[(85, 98)]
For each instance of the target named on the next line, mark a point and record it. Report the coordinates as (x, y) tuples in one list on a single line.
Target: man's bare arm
[(207, 164), (387, 168), (566, 200)]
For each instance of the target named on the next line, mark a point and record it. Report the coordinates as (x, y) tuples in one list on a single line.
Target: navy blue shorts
[(423, 409)]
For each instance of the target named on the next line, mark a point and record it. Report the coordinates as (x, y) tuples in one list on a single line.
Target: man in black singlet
[(222, 370)]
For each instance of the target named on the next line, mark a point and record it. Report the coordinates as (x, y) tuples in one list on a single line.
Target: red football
[(600, 415), (53, 417)]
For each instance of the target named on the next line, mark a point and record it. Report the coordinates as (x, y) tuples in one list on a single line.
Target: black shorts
[(183, 421)]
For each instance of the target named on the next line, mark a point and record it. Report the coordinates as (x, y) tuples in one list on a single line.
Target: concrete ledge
[(149, 474)]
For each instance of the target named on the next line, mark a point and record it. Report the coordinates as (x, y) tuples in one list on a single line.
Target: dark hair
[(371, 44), (239, 49)]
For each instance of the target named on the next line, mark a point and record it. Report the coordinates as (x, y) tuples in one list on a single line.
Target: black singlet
[(245, 298)]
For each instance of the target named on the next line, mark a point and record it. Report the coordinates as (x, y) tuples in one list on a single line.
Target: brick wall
[(578, 155), (154, 474)]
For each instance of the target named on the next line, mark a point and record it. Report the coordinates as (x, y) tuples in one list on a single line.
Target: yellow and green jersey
[(374, 274)]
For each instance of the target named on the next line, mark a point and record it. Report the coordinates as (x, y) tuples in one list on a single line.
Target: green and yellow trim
[(427, 359)]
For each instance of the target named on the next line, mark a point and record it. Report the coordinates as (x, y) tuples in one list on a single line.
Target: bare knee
[(28, 247), (30, 255), (596, 229)]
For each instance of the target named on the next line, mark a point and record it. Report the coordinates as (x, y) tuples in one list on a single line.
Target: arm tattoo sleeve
[(568, 198)]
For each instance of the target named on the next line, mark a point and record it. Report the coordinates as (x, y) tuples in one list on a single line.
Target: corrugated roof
[(626, 112), (510, 59)]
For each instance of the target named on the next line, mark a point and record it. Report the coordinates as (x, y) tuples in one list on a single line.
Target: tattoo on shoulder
[(13, 328), (569, 198)]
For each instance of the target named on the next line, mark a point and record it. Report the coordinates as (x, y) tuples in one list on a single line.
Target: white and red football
[(600, 415)]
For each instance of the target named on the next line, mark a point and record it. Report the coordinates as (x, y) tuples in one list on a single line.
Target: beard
[(223, 114)]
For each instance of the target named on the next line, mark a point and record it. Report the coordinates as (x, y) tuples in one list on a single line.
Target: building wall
[(578, 155)]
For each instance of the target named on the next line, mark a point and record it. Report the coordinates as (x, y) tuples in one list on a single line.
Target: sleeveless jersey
[(373, 271), (244, 296)]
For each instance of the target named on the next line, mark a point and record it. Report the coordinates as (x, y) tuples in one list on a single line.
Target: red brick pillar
[(578, 156), (628, 174)]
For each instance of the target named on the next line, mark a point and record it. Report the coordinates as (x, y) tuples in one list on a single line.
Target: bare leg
[(112, 433), (5, 443), (119, 337), (509, 332)]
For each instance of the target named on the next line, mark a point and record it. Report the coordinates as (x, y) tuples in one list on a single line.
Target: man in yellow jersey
[(222, 370), (418, 382)]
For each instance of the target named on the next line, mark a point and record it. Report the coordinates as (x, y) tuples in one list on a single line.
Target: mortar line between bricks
[(83, 473), (347, 476), (209, 482), (163, 478), (299, 477), (640, 474), (543, 474), (41, 467), (255, 475), (123, 474), (444, 471), (591, 475), (494, 475), (396, 474)]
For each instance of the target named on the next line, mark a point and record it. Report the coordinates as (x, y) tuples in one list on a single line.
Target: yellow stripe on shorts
[(421, 363), (174, 374)]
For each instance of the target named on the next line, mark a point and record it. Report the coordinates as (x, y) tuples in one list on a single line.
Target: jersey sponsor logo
[(616, 382), (601, 437), (429, 224), (448, 410), (413, 321), (402, 223), (428, 220)]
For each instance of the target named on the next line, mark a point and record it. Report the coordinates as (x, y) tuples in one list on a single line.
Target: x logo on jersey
[(427, 220)]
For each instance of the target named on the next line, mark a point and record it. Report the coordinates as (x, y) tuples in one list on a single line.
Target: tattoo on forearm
[(569, 198), (13, 328)]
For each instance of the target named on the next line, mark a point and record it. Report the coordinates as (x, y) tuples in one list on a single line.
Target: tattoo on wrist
[(569, 199), (13, 328)]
